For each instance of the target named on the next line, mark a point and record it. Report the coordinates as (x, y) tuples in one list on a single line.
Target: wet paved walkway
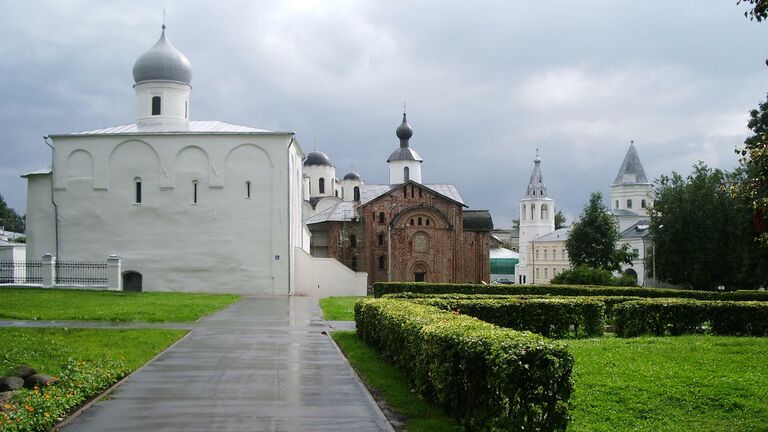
[(263, 364)]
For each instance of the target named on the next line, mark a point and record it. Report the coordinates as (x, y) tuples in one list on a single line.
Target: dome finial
[(538, 159), (404, 131), (163, 17)]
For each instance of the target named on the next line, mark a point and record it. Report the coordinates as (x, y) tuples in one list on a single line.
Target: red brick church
[(405, 230)]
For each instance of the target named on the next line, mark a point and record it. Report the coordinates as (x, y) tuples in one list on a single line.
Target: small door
[(132, 281), (419, 276)]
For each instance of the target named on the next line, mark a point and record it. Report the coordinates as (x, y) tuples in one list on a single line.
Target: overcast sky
[(486, 83)]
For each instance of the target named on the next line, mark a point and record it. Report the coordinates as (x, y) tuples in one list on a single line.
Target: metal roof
[(503, 253), (173, 128), (317, 158), (343, 211), (369, 192), (560, 234), (163, 62), (477, 220), (639, 229), (41, 171), (624, 212), (536, 186), (405, 153), (631, 170)]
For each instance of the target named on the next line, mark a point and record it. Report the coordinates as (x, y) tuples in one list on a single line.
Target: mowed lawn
[(47, 349), (86, 305), (681, 383), (339, 308)]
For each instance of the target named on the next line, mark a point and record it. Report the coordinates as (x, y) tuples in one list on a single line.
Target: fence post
[(114, 265), (49, 270)]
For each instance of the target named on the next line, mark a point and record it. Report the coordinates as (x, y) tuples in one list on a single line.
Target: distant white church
[(188, 205), (542, 248)]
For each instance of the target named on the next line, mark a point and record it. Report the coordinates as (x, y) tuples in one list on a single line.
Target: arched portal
[(132, 281), (631, 273)]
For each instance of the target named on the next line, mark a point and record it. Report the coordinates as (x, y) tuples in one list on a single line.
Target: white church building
[(188, 205)]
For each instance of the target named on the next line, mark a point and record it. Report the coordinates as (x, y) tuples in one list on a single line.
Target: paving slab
[(263, 364)]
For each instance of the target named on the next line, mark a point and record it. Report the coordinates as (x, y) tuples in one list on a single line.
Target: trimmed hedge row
[(682, 316), (555, 318), (608, 301), (487, 376), (382, 288)]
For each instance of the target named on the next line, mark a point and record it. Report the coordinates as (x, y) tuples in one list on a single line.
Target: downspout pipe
[(53, 201), (290, 217)]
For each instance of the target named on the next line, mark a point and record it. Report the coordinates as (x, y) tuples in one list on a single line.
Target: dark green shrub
[(489, 377), (556, 318), (382, 288), (683, 316), (582, 275)]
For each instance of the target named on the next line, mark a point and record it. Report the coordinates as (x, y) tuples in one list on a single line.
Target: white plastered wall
[(396, 171), (327, 277)]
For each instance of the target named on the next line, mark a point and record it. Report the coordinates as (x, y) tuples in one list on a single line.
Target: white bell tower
[(537, 217)]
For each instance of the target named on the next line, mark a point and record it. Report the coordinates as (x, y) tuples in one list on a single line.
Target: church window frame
[(412, 222), (533, 211), (356, 193), (544, 212), (643, 204), (545, 254), (137, 190), (381, 262), (248, 189), (420, 220), (629, 203), (406, 174), (420, 195), (157, 105), (195, 184), (381, 217), (321, 185), (426, 222), (537, 254), (524, 213)]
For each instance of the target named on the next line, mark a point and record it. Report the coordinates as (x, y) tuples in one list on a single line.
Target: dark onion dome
[(352, 176), (405, 152), (317, 158), (163, 62)]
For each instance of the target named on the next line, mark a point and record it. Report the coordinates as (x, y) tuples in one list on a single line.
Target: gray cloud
[(486, 84)]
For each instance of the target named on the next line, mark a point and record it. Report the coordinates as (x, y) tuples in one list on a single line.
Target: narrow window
[(412, 192), (406, 174), (545, 254), (537, 254), (381, 217), (194, 192), (537, 272), (155, 105), (533, 211), (523, 213), (354, 263), (337, 193), (247, 189), (419, 220), (546, 272), (137, 183), (186, 109), (544, 212), (629, 203), (405, 192), (419, 192), (353, 240), (381, 239), (427, 222), (357, 193), (642, 203), (412, 222), (381, 262), (617, 204), (321, 187)]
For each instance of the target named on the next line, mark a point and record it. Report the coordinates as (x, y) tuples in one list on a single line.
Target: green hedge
[(556, 318), (382, 288), (608, 301), (682, 316), (489, 377)]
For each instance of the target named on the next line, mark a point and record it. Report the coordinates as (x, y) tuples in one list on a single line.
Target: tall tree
[(593, 239), (703, 234), (753, 188), (757, 9), (560, 220), (9, 219)]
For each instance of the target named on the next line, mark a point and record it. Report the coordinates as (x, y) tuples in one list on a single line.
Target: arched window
[(643, 204), (412, 192), (537, 272), (617, 204), (412, 222), (381, 262), (137, 188), (381, 240), (629, 203), (381, 217), (546, 272), (537, 254), (353, 240), (523, 214), (194, 191), (419, 192), (420, 220), (406, 174), (427, 222), (544, 212), (545, 254), (156, 105), (357, 193), (186, 109), (337, 193), (247, 189), (533, 211), (321, 186)]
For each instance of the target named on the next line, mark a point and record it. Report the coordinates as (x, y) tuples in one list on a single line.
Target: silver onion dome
[(351, 176), (317, 158), (163, 62)]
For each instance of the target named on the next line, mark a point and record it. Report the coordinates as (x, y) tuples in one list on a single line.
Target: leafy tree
[(703, 234), (583, 275), (560, 221), (757, 10), (753, 188), (593, 238), (9, 219), (515, 224)]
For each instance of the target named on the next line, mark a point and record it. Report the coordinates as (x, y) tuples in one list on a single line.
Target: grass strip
[(392, 386), (683, 383), (83, 305), (339, 308)]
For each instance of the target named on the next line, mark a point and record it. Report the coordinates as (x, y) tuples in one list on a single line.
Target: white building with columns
[(188, 205)]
